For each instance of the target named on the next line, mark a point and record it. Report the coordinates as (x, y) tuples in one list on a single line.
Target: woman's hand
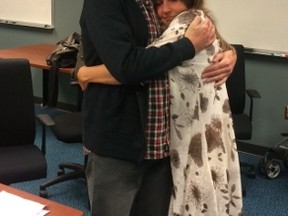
[(201, 33), (221, 67)]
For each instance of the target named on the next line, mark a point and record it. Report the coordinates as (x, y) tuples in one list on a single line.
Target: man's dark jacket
[(115, 33)]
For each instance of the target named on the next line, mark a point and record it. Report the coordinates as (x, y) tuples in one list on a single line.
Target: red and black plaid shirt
[(158, 126)]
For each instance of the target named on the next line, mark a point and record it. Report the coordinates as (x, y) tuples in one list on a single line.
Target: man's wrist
[(187, 49)]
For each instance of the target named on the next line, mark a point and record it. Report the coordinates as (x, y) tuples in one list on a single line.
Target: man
[(126, 127)]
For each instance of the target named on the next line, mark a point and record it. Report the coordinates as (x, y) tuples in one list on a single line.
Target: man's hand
[(82, 78), (95, 74), (201, 33), (221, 67)]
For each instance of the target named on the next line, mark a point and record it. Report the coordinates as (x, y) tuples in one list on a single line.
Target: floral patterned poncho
[(204, 158)]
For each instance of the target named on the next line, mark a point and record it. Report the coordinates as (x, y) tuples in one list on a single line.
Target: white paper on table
[(13, 205)]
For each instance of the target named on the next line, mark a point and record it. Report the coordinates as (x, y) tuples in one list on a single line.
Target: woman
[(204, 158), (205, 166)]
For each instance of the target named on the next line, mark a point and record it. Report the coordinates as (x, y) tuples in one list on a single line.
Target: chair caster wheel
[(273, 169), (43, 193)]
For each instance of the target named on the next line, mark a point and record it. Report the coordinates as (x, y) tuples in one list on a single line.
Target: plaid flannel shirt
[(158, 125)]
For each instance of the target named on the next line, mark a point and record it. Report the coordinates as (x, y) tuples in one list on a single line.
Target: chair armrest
[(252, 93), (45, 121)]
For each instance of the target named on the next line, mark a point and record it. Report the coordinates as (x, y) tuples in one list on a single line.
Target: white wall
[(260, 24)]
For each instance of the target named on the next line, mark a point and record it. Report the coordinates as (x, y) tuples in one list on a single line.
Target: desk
[(36, 54), (55, 208)]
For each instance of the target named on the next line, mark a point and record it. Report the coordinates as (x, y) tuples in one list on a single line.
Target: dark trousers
[(122, 188)]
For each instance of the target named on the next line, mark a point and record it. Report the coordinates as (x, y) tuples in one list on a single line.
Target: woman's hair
[(195, 4), (200, 5)]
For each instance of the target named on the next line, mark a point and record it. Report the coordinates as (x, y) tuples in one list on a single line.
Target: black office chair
[(20, 159), (242, 122), (67, 128)]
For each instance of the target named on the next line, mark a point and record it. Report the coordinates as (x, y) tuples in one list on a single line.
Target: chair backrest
[(236, 86), (17, 115)]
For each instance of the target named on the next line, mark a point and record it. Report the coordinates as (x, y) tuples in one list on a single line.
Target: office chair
[(20, 159), (67, 128), (236, 87)]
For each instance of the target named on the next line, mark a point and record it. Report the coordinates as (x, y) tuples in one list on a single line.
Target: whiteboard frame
[(31, 24)]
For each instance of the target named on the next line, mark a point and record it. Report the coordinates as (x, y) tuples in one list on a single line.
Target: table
[(55, 208), (36, 54)]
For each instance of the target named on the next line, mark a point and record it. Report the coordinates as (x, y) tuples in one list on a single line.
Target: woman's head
[(167, 10), (195, 4)]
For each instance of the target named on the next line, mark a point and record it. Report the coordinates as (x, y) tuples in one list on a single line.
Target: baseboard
[(249, 148), (261, 151)]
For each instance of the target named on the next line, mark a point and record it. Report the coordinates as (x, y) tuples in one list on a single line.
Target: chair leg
[(243, 191), (78, 172), (250, 168), (251, 174), (70, 166)]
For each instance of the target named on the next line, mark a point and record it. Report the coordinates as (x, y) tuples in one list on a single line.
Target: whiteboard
[(34, 13), (259, 24)]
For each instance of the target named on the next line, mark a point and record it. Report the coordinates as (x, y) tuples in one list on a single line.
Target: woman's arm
[(223, 63), (221, 67), (218, 71), (95, 74)]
